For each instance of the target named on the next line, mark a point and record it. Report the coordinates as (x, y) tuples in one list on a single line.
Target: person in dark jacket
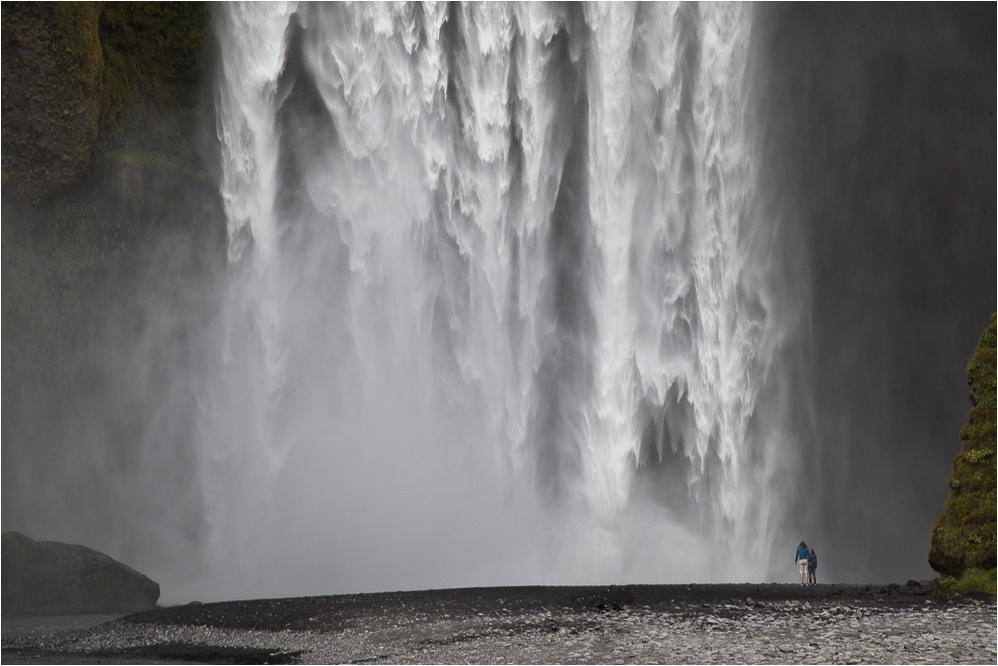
[(802, 558), (812, 567)]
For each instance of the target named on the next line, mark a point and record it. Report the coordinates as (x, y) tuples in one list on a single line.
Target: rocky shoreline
[(617, 624)]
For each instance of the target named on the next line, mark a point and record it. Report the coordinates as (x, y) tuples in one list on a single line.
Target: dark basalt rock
[(52, 65), (73, 71), (52, 578)]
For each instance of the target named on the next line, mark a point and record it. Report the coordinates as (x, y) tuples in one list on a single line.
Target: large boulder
[(963, 537), (52, 578)]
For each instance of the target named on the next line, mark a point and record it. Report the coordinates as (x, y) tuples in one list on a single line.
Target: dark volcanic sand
[(764, 623)]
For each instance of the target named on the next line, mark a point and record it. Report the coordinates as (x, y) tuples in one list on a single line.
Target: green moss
[(116, 90), (964, 534), (154, 57), (147, 45), (78, 71), (75, 41), (78, 51), (973, 580), (51, 95)]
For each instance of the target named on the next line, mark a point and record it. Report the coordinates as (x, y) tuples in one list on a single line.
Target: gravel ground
[(27, 626), (615, 625)]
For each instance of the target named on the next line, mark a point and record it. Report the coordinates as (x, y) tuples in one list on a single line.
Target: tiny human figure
[(801, 558), (812, 567)]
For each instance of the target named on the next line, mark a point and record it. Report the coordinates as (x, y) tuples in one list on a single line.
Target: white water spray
[(494, 315)]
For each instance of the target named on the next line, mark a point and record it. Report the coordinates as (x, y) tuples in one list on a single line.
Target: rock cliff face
[(963, 538), (52, 63), (48, 577), (102, 124), (77, 70), (108, 157)]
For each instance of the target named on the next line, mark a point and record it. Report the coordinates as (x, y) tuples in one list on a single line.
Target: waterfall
[(498, 311)]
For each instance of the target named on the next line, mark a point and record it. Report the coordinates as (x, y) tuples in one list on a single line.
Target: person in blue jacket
[(802, 558)]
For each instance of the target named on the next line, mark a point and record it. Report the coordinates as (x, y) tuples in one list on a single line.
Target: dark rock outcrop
[(52, 578), (103, 139), (76, 71), (52, 66), (963, 537), (104, 223)]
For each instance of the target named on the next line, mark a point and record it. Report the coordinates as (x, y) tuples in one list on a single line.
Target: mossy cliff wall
[(74, 70), (963, 537), (101, 125), (52, 66), (108, 148)]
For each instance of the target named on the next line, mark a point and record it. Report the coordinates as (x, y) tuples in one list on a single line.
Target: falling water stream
[(498, 310)]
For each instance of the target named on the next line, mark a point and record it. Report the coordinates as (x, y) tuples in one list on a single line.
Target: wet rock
[(52, 578), (52, 64)]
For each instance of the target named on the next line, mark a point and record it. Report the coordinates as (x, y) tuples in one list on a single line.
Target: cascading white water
[(494, 315)]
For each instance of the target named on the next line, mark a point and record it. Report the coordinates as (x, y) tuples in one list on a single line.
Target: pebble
[(719, 633)]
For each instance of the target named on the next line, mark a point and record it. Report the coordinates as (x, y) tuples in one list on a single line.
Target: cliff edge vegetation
[(963, 537)]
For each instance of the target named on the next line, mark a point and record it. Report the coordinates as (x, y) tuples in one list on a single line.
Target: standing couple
[(807, 563)]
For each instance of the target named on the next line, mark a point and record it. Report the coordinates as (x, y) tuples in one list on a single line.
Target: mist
[(532, 295), (882, 130)]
